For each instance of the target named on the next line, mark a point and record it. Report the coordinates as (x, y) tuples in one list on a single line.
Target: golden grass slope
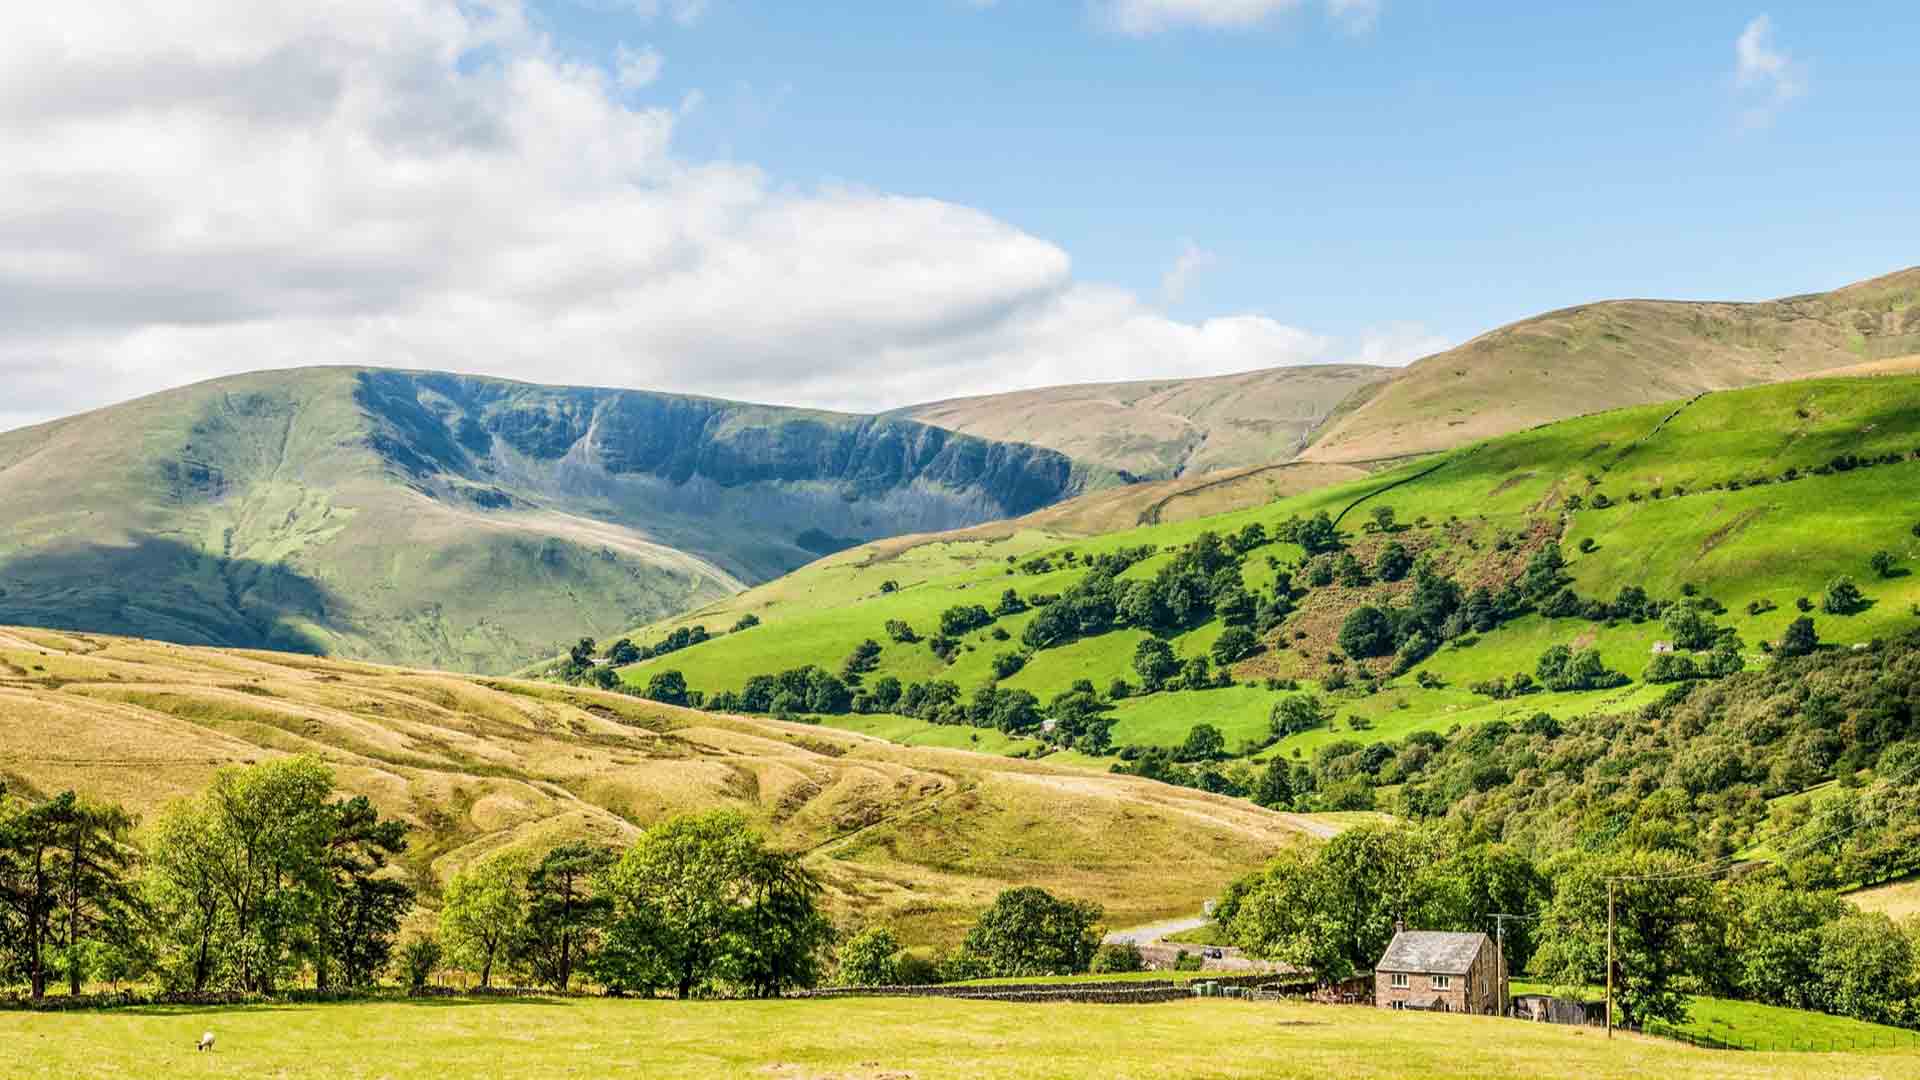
[(1626, 352), (1164, 428), (919, 838)]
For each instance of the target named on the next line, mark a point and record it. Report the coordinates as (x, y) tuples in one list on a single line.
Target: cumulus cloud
[(1191, 260), (1143, 17), (1767, 75), (233, 185)]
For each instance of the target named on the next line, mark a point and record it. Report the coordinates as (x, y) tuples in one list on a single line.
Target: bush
[(900, 631), (1234, 644), (745, 622), (868, 958), (420, 958), (1882, 563), (1007, 664), (1186, 961), (1367, 631), (1801, 639), (1118, 959)]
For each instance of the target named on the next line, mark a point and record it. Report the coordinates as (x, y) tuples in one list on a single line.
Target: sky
[(864, 205)]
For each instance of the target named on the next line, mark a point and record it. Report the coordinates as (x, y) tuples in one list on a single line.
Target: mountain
[(466, 522), (1755, 501), (1624, 352), (1165, 428), (918, 839)]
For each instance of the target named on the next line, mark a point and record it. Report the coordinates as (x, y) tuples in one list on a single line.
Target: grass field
[(1898, 899), (866, 1039), (1746, 1025)]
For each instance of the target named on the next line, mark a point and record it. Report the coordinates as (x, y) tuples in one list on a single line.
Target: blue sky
[(860, 206), (1455, 165)]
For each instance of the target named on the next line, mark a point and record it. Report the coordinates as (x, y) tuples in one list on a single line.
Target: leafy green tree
[(668, 688), (1154, 662), (864, 658), (65, 867), (1883, 563), (1029, 932), (1843, 597), (1800, 639), (1773, 939), (1691, 628), (624, 652), (1297, 713), (483, 912), (1666, 921), (868, 958), (1367, 631), (1330, 910), (564, 912), (1008, 664), (420, 957), (1383, 518), (1275, 787), (900, 631), (1865, 967), (700, 901), (1235, 643), (1316, 534), (1010, 604), (1393, 562), (745, 622), (1204, 743), (358, 907)]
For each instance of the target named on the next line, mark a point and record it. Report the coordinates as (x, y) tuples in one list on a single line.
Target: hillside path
[(1152, 933)]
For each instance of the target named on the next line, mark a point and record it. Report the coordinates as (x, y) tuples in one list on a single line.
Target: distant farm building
[(1438, 971), (1547, 1009), (1661, 648)]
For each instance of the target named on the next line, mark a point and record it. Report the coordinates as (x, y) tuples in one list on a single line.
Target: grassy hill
[(1160, 429), (1624, 352), (1696, 497), (875, 1038), (461, 522), (919, 838)]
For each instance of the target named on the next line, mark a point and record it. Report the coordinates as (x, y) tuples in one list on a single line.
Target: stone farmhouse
[(1438, 972)]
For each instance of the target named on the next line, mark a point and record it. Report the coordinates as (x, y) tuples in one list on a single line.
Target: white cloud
[(1191, 260), (1770, 77), (635, 68), (234, 185), (1394, 345), (684, 12), (1143, 17)]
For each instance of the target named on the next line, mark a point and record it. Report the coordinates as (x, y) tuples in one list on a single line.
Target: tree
[(1331, 909), (1275, 787), (779, 933), (272, 826), (64, 870), (1843, 597), (745, 622), (1773, 941), (1007, 664), (1154, 662), (359, 906), (1882, 563), (1028, 932), (564, 913), (1665, 921), (1692, 629), (1367, 631), (668, 688), (676, 895), (624, 652), (1800, 639), (420, 957), (1393, 562), (1865, 966), (484, 912), (900, 631), (864, 658), (1383, 518), (1297, 713), (867, 958), (1235, 643), (1204, 743)]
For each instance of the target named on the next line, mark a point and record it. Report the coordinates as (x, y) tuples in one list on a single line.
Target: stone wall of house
[(1474, 992)]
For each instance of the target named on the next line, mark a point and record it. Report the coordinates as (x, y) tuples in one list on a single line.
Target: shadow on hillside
[(160, 588)]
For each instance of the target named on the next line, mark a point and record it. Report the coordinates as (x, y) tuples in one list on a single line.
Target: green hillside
[(469, 523), (1749, 498)]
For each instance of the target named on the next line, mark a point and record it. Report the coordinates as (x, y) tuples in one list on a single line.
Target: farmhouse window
[(1442, 982), (1399, 980)]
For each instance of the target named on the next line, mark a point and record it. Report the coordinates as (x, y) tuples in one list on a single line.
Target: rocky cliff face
[(647, 454)]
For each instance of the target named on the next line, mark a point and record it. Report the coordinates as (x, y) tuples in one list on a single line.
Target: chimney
[(1399, 925)]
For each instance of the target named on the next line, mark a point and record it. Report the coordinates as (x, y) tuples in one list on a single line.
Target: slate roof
[(1434, 952)]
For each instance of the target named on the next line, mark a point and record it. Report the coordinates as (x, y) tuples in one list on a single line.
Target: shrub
[(1186, 961), (900, 631), (867, 958), (1588, 547), (889, 586), (1800, 639), (1117, 959), (1882, 563), (1235, 643), (1007, 664), (1119, 690), (420, 958), (1367, 631)]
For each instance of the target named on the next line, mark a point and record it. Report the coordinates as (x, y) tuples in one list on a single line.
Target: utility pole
[(1609, 958)]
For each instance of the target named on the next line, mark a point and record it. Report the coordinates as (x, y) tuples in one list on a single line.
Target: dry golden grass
[(919, 837), (1899, 899)]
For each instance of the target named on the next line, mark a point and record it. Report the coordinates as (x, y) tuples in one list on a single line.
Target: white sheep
[(206, 1041)]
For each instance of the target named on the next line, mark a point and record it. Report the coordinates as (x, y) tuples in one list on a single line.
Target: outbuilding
[(1438, 971)]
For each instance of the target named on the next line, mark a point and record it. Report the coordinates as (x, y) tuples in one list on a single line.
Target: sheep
[(206, 1041)]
